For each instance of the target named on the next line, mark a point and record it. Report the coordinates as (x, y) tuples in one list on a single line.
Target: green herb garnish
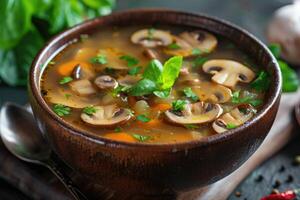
[(89, 110), (151, 33), (163, 93), (67, 96), (179, 105), (158, 77), (141, 138), (290, 80), (65, 80), (231, 126), (99, 59), (196, 51), (143, 118), (199, 61), (191, 126), (61, 110), (119, 90), (131, 61), (134, 71), (174, 46), (250, 99), (262, 82), (188, 92), (118, 129)]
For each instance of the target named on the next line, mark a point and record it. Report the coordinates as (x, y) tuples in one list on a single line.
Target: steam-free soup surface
[(153, 84)]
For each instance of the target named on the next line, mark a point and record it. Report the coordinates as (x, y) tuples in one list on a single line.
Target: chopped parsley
[(174, 46), (67, 96), (191, 126), (199, 61), (275, 49), (134, 71), (262, 82), (231, 126), (250, 99), (89, 110), (65, 80), (196, 51), (118, 129), (143, 118), (151, 33), (178, 105), (118, 90), (188, 92), (141, 138), (99, 59), (61, 110), (131, 61)]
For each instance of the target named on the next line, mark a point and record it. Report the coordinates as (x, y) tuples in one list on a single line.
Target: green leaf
[(262, 82), (188, 92), (65, 80), (61, 110), (134, 71), (191, 126), (196, 51), (118, 129), (151, 33), (141, 138), (275, 49), (89, 110), (153, 71), (143, 87), (231, 126), (131, 61), (15, 21), (99, 59), (68, 96), (173, 46), (199, 61), (290, 80), (250, 99), (178, 105), (8, 68), (143, 118), (163, 93), (171, 71), (96, 4)]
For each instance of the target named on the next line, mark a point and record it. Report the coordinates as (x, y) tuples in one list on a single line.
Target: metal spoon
[(22, 138)]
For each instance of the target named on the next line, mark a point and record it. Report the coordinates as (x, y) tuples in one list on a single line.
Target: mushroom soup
[(153, 85)]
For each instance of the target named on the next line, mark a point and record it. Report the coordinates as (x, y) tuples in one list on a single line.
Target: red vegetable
[(288, 195)]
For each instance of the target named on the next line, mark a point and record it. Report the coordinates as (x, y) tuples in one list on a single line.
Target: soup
[(153, 84)]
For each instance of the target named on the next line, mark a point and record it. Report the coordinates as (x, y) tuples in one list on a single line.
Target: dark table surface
[(252, 15)]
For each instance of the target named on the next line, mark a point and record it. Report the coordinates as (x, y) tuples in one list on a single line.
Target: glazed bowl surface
[(149, 169)]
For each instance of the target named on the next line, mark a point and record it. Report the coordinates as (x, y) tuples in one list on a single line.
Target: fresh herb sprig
[(250, 99), (141, 138), (61, 110), (178, 105), (89, 110), (188, 92)]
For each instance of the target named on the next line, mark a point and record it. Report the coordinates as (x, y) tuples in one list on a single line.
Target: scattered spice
[(289, 179), (281, 169), (238, 194), (259, 178), (276, 184)]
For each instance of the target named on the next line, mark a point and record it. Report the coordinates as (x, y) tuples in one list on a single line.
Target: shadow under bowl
[(149, 169)]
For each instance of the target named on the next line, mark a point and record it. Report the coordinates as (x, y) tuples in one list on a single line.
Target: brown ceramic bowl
[(156, 168)]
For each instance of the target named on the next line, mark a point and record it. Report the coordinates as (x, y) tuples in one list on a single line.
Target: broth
[(94, 84)]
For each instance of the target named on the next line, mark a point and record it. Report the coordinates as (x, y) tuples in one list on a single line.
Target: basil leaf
[(162, 94), (262, 82), (134, 71), (143, 87), (188, 92), (290, 80), (171, 71), (8, 68), (275, 49), (15, 21), (153, 71), (131, 61)]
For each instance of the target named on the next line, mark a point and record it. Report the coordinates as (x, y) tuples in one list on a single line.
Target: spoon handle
[(65, 179)]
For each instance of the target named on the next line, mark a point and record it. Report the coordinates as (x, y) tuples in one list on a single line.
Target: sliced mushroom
[(128, 80), (107, 116), (187, 41), (189, 79), (235, 117), (228, 72), (196, 113), (83, 87), (148, 38), (212, 92), (106, 82)]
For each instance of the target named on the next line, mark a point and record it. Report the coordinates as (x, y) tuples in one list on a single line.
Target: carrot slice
[(121, 136), (66, 68)]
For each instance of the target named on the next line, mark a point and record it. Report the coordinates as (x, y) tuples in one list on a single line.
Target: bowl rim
[(33, 85)]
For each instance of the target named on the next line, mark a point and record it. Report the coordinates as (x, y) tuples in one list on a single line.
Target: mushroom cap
[(284, 29), (188, 41), (236, 116), (106, 82), (212, 92), (158, 38), (228, 72), (109, 115), (196, 113)]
